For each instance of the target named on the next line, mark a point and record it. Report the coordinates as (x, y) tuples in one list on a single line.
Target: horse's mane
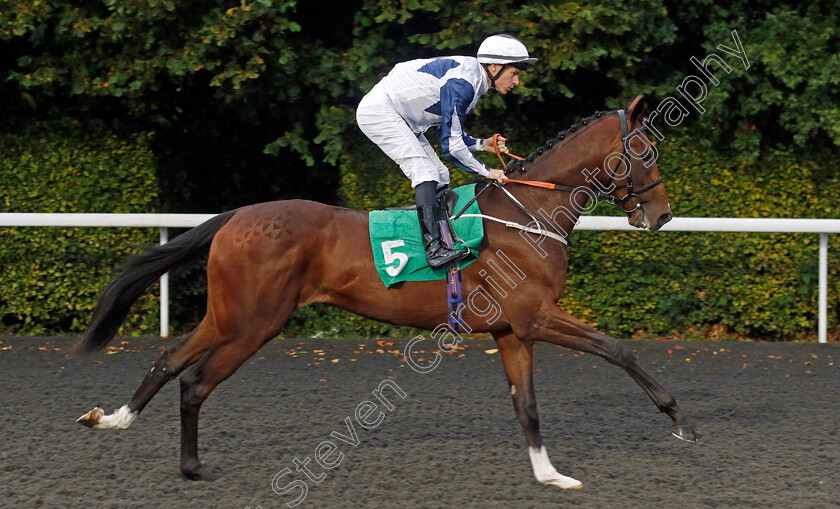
[(561, 136)]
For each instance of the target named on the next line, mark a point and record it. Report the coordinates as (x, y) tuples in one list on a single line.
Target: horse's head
[(630, 180), (638, 187)]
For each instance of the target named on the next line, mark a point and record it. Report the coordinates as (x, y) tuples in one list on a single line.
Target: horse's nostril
[(664, 218)]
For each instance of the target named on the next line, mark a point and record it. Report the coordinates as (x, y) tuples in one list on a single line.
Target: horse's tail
[(138, 273)]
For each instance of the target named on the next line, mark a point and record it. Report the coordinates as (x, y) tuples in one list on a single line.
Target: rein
[(510, 224), (609, 198), (541, 229), (532, 183)]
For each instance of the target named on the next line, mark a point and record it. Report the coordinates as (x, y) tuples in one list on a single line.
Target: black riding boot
[(437, 254)]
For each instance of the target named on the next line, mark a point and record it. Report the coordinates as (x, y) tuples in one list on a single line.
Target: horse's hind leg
[(196, 384), (517, 357), (169, 365)]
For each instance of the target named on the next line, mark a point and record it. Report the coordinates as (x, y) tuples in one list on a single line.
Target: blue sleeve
[(456, 95)]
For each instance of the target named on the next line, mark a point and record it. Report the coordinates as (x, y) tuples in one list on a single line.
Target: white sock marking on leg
[(120, 419), (545, 472)]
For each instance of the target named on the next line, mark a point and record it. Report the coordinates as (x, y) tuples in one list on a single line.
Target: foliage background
[(236, 102), (51, 277)]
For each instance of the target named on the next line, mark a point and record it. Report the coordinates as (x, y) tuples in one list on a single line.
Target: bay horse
[(267, 260)]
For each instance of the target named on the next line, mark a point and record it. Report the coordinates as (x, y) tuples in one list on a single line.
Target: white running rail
[(685, 224)]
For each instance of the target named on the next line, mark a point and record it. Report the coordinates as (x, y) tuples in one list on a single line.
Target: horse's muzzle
[(664, 218)]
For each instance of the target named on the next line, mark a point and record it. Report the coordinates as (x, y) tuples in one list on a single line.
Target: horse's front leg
[(517, 357), (557, 326)]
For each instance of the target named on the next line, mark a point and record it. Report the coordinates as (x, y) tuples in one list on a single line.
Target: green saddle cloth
[(398, 246)]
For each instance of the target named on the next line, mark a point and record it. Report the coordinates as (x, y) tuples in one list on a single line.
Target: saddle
[(397, 243)]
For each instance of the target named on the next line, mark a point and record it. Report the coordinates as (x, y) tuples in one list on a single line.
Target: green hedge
[(51, 277), (758, 285)]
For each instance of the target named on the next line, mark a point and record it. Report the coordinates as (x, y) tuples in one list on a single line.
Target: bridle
[(625, 134), (629, 166), (541, 228)]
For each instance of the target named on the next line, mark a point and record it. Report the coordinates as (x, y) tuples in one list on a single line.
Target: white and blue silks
[(419, 94)]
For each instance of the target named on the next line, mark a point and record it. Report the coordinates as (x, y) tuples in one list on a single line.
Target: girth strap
[(454, 300)]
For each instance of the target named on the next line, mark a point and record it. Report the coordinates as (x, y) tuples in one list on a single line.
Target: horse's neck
[(574, 164)]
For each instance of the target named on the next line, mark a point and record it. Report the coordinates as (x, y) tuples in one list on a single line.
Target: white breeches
[(380, 122)]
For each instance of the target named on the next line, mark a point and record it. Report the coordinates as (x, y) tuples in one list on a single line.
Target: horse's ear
[(637, 109)]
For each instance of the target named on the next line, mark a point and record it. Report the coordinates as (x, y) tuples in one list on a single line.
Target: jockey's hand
[(496, 175), (487, 145)]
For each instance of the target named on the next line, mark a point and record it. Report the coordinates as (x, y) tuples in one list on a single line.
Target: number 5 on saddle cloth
[(399, 254)]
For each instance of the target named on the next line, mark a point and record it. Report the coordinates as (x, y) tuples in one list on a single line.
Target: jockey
[(440, 92)]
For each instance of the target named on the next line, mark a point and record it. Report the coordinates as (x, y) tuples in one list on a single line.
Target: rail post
[(164, 291), (823, 300)]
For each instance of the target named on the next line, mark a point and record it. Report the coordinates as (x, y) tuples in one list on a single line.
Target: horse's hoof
[(561, 481), (200, 474), (91, 418), (684, 432)]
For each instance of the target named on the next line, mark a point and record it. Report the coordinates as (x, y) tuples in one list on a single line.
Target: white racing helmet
[(504, 49)]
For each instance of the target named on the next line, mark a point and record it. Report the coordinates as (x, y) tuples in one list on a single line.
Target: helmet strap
[(491, 76)]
